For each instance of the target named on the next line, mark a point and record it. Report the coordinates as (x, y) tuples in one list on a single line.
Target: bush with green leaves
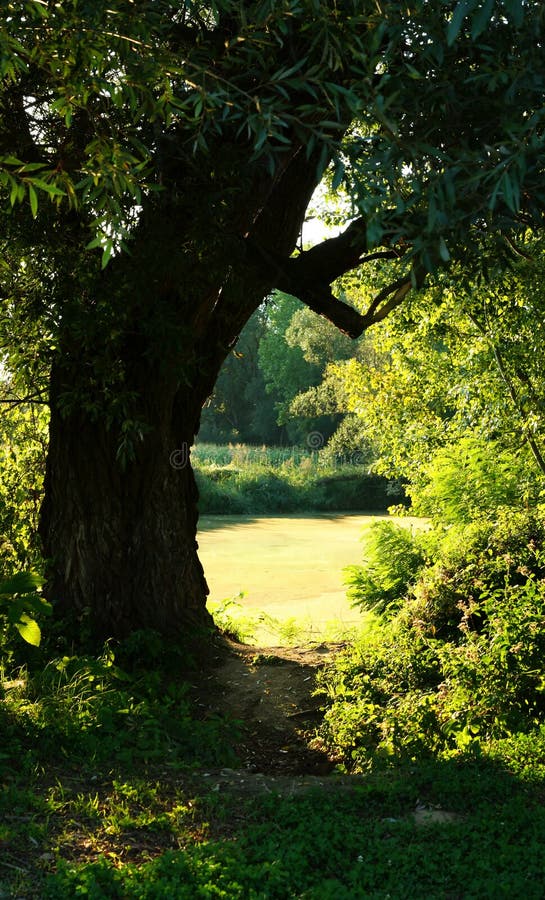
[(473, 478), (23, 442), (23, 445), (377, 696), (282, 480), (394, 556), (494, 680), (461, 662), (481, 558)]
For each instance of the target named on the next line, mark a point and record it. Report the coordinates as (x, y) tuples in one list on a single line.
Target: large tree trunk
[(118, 524)]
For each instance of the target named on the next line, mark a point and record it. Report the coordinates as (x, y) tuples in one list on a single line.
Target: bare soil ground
[(270, 693)]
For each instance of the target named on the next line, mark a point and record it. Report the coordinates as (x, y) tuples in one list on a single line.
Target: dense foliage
[(282, 351), (454, 659), (264, 481)]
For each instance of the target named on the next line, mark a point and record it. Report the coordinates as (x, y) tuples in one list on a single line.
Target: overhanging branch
[(309, 276)]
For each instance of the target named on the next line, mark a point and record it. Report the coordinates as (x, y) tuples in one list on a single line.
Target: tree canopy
[(430, 116)]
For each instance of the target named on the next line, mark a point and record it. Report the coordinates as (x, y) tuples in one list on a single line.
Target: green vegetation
[(283, 350), (101, 798), (123, 815), (454, 661), (365, 845), (267, 480), (23, 444), (394, 556)]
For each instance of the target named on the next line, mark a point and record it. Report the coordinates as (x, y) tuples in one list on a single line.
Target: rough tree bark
[(121, 535)]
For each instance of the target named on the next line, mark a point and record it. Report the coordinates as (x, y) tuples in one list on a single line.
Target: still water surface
[(287, 566)]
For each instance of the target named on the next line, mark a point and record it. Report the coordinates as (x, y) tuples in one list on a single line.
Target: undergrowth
[(149, 837), (92, 712), (239, 480), (253, 626), (454, 660)]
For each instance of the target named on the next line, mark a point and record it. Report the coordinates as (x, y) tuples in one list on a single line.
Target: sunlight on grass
[(258, 628)]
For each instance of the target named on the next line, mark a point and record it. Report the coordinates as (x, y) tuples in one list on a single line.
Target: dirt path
[(269, 691)]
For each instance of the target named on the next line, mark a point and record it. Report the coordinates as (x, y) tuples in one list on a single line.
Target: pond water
[(288, 566)]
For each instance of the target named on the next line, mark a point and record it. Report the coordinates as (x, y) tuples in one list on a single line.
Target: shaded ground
[(133, 817), (269, 692)]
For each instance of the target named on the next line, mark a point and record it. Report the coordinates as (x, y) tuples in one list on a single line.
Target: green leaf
[(262, 137), (481, 18), (463, 8), (14, 193), (96, 242), (21, 583), (106, 254), (50, 189), (338, 174), (443, 250), (515, 10), (33, 197), (32, 167), (29, 630)]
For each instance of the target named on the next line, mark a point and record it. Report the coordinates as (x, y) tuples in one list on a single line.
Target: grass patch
[(242, 480), (105, 794), (251, 626), (145, 838), (92, 717)]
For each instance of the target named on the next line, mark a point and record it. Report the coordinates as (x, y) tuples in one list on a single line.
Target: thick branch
[(309, 276), (331, 258), (344, 317)]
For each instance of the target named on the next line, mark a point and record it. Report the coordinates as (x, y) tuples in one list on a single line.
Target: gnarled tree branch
[(309, 276)]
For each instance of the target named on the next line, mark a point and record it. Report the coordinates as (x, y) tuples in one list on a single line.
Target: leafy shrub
[(495, 680), (260, 489), (231, 618), (23, 439), (349, 443), (350, 489), (471, 479), (393, 558), (461, 662), (378, 692), (218, 496), (472, 561)]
